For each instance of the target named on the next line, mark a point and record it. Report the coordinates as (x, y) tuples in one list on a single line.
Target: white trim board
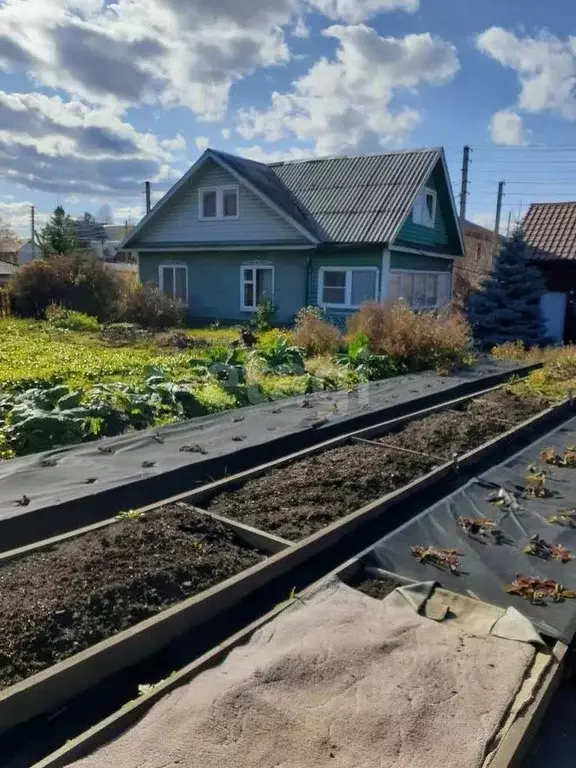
[(220, 248), (417, 252)]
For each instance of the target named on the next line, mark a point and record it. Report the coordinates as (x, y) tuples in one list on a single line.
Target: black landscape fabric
[(93, 481), (488, 567)]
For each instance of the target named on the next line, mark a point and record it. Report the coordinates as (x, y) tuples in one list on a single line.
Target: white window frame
[(253, 266), (347, 288), (172, 265), (426, 272), (419, 215), (219, 202)]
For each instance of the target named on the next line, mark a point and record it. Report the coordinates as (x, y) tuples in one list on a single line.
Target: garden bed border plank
[(61, 682), (56, 516), (508, 754)]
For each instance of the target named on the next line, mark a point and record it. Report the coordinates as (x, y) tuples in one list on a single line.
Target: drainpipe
[(307, 297)]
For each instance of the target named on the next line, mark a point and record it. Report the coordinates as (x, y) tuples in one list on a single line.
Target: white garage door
[(554, 311)]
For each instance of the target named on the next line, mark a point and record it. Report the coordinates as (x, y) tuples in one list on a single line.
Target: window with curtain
[(174, 281), (421, 290), (347, 288), (257, 285)]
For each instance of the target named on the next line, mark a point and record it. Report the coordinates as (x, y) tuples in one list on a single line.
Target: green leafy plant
[(280, 357), (264, 317), (366, 366), (70, 320), (131, 514)]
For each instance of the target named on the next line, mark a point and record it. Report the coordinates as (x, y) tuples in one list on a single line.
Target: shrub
[(265, 312), (416, 340), (315, 334), (146, 305), (70, 320), (75, 281)]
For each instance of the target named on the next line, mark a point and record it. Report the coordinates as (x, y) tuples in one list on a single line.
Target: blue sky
[(98, 96)]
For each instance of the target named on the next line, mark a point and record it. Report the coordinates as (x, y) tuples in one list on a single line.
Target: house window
[(256, 285), (218, 203), (421, 290), (174, 281), (347, 288), (424, 210)]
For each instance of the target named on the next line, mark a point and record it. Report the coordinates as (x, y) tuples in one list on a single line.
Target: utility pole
[(464, 188), (147, 191), (498, 215), (33, 231)]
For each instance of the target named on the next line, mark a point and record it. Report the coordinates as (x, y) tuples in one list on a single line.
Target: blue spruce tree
[(507, 306)]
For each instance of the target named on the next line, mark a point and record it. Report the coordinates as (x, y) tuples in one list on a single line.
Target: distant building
[(103, 240), (7, 269)]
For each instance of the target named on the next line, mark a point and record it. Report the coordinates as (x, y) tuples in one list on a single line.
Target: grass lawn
[(60, 386)]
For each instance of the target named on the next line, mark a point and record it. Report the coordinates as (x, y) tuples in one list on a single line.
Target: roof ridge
[(413, 150)]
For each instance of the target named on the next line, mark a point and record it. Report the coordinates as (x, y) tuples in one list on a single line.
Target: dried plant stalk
[(480, 526), (565, 517), (540, 548), (443, 558), (537, 591), (566, 459)]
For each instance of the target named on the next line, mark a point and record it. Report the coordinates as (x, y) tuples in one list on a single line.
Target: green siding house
[(331, 232)]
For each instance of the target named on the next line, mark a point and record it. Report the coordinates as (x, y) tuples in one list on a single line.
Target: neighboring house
[(103, 240), (550, 232), (7, 269), (479, 246), (26, 253), (332, 232)]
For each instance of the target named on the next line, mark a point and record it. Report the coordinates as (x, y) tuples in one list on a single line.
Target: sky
[(97, 96)]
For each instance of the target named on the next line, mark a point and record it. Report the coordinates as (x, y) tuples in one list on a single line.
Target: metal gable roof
[(363, 199), (550, 231), (359, 199)]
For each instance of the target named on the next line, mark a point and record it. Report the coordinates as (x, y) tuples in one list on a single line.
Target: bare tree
[(104, 214), (9, 243)]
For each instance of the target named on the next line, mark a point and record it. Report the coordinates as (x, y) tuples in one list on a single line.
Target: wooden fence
[(5, 308)]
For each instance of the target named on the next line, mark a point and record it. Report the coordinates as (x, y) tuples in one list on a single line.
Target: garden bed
[(303, 497), (56, 603)]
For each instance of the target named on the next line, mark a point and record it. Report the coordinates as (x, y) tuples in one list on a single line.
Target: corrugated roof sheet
[(358, 199), (261, 177), (7, 269), (550, 231)]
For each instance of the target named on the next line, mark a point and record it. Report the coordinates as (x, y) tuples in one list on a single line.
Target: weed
[(566, 459), (23, 501), (535, 487), (193, 448), (131, 514), (148, 464), (314, 334), (565, 517)]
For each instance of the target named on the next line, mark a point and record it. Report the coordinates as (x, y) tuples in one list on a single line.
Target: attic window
[(424, 211), (218, 203)]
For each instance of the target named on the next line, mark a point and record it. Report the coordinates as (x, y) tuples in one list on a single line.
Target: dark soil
[(56, 603), (376, 588), (307, 495)]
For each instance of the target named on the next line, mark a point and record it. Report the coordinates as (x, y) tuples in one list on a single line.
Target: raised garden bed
[(306, 495), (58, 602)]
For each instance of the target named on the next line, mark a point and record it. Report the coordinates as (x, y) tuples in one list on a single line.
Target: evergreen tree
[(507, 306), (59, 234)]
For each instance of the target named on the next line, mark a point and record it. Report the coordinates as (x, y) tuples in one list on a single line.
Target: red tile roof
[(550, 231)]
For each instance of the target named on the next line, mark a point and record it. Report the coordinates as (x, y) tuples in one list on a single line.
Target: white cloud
[(354, 11), (202, 143), (177, 145), (173, 52), (545, 64), (17, 216), (226, 133), (507, 127), (49, 144), (346, 103), (262, 155)]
